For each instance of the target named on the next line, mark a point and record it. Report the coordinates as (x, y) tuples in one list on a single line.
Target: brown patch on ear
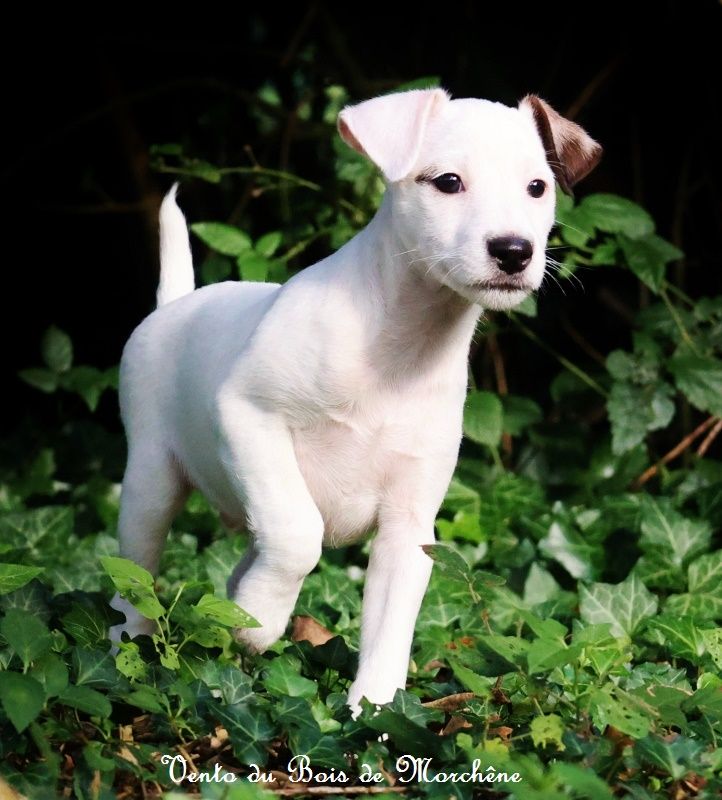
[(571, 152)]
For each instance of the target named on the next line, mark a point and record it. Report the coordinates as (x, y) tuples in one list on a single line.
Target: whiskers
[(554, 270)]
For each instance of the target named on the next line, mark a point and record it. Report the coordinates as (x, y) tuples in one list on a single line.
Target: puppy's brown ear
[(571, 151)]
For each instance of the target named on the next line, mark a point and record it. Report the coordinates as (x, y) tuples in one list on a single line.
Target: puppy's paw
[(258, 640)]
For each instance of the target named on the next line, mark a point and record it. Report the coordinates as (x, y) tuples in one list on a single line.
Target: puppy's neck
[(419, 325)]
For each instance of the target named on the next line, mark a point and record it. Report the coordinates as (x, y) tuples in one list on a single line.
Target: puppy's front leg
[(286, 525), (396, 580)]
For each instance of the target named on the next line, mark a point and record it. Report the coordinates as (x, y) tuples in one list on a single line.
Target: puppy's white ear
[(571, 151), (389, 129)]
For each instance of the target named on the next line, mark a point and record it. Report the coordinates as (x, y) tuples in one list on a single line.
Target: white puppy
[(316, 411)]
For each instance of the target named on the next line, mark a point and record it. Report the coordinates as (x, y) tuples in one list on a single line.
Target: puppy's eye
[(536, 188), (448, 183)]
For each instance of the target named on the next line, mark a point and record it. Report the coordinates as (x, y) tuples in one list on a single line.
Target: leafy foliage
[(571, 630)]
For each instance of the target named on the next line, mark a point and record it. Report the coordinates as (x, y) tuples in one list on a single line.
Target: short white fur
[(316, 411)]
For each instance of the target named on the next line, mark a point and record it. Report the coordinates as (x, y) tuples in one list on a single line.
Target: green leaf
[(13, 576), (519, 413), (135, 584), (547, 729), (86, 624), (647, 257), (52, 673), (636, 410), (705, 575), (88, 382), (623, 605), (94, 668), (427, 82), (511, 648), (129, 661), (605, 253), (582, 781), (283, 678), (699, 378), (28, 636), (253, 266), (225, 239), (679, 635), (269, 243), (675, 758), (527, 307), (215, 268), (409, 737), (22, 698), (249, 728), (696, 605), (665, 528), (44, 379), (613, 214), (577, 555), (480, 685), (483, 415), (57, 349), (632, 719), (224, 612), (87, 700), (449, 560)]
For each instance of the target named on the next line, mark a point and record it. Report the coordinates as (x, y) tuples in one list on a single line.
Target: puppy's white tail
[(176, 262)]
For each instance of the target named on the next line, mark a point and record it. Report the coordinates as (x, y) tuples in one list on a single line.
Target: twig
[(586, 346), (565, 362), (675, 451), (451, 702), (502, 386), (591, 88), (711, 436), (326, 791)]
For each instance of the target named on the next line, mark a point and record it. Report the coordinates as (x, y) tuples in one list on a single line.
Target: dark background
[(83, 103)]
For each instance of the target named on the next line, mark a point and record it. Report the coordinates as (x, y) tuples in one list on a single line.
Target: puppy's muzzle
[(511, 253)]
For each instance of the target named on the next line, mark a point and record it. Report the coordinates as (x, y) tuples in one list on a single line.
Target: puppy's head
[(471, 184)]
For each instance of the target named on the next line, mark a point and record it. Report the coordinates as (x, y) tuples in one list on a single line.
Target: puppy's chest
[(353, 459)]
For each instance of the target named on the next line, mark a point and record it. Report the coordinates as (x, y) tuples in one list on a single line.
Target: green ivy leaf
[(633, 719), (283, 677), (679, 635), (224, 612), (634, 411), (135, 584), (623, 605), (28, 636), (57, 349), (22, 698), (547, 730), (13, 576), (705, 574), (87, 700), (225, 239), (675, 758), (665, 528), (51, 672), (483, 418)]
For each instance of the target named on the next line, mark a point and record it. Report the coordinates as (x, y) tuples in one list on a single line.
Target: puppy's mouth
[(501, 286)]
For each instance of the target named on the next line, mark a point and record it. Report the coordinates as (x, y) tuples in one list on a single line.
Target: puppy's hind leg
[(153, 492)]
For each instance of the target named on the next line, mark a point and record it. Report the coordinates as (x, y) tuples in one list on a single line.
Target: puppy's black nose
[(512, 253)]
